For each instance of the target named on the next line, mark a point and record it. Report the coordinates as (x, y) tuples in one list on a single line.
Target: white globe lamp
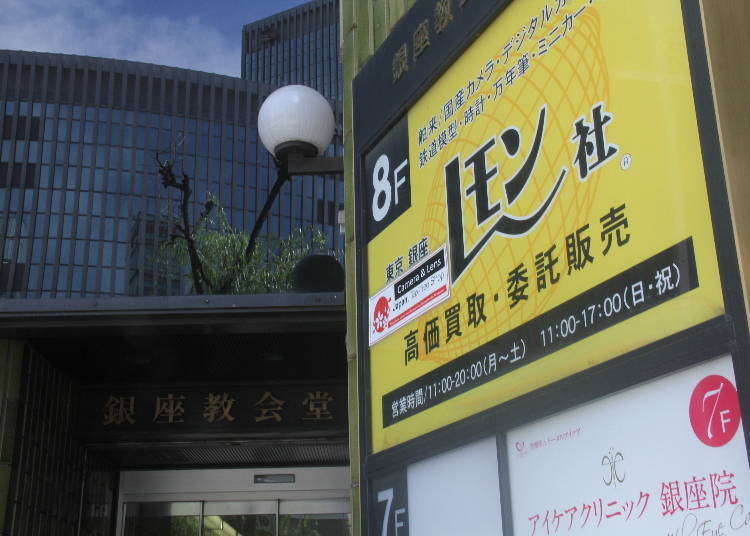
[(295, 119)]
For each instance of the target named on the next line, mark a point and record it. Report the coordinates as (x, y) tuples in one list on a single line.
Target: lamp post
[(296, 125)]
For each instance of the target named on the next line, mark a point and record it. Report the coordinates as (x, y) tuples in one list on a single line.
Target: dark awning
[(258, 313)]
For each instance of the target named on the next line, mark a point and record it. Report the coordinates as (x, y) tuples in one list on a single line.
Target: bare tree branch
[(169, 180), (188, 231)]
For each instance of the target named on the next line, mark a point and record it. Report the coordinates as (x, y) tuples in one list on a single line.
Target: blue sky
[(195, 34)]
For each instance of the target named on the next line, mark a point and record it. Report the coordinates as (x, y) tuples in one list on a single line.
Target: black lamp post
[(296, 125)]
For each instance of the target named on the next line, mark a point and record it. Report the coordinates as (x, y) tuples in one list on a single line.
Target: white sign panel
[(409, 296), (667, 457), (456, 493)]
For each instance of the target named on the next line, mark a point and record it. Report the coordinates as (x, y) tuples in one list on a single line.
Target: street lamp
[(295, 119), (296, 125)]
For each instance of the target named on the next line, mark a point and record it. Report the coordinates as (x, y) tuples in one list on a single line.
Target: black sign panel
[(660, 278), (389, 505), (419, 274), (108, 413), (388, 184)]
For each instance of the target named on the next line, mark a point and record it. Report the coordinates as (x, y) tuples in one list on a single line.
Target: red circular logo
[(715, 410), (380, 315)]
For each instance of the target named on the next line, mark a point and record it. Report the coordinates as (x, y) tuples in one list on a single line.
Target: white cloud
[(104, 28)]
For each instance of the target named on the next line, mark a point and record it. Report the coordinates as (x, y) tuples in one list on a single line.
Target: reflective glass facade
[(297, 46), (82, 210)]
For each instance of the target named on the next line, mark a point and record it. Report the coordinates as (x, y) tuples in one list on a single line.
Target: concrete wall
[(727, 42)]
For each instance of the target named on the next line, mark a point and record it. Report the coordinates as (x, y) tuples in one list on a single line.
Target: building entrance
[(115, 418), (274, 502)]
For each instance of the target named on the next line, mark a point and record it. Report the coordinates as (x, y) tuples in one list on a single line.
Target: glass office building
[(297, 46), (82, 209)]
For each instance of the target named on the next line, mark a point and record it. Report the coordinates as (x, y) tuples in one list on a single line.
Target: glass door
[(319, 517), (240, 518), (162, 519), (314, 518)]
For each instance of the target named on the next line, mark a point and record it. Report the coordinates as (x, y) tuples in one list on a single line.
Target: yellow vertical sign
[(558, 161)]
